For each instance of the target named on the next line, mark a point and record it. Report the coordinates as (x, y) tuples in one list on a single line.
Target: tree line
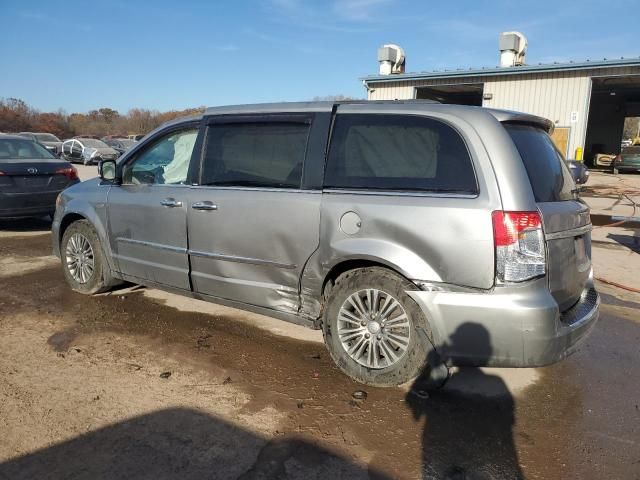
[(17, 116)]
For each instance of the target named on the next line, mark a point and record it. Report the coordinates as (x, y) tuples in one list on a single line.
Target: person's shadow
[(468, 425)]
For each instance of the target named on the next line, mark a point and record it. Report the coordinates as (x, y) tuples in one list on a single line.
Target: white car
[(87, 151)]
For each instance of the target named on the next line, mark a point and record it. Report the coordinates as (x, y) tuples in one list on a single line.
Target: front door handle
[(204, 206), (170, 202)]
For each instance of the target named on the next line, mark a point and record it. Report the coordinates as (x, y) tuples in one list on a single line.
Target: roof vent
[(513, 46), (391, 58)]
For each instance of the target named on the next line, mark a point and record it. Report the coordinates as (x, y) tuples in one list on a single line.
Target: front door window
[(165, 163)]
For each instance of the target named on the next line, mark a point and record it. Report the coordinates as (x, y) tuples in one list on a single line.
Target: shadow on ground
[(632, 242), (468, 433), (39, 224), (181, 444)]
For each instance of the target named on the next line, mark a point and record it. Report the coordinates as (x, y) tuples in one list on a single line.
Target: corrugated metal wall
[(556, 96), (553, 95)]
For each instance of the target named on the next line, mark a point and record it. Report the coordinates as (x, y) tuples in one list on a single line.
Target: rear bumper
[(25, 204), (514, 326), (628, 168)]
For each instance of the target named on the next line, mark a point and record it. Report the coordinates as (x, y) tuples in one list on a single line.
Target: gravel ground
[(138, 383)]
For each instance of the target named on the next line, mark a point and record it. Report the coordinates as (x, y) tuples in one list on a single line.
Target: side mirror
[(107, 170)]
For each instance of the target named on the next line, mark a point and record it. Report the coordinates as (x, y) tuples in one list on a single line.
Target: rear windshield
[(633, 150), (46, 137), (15, 149), (550, 178)]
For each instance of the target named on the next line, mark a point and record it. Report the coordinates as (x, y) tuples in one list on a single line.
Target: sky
[(166, 55)]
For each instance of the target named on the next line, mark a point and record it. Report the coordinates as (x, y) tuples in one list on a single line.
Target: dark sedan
[(579, 171), (30, 177), (120, 145), (47, 140)]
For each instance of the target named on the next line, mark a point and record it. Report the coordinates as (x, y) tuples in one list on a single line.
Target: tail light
[(70, 172), (519, 242), (618, 159)]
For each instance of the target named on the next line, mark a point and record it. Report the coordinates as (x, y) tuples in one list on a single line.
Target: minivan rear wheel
[(374, 331), (83, 261)]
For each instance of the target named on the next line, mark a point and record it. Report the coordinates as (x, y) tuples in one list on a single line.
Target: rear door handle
[(204, 206), (170, 202)]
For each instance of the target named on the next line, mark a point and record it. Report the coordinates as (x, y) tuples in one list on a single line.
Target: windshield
[(18, 149), (92, 143), (126, 143), (548, 174), (46, 137)]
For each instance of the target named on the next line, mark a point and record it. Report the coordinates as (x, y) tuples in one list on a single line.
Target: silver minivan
[(414, 234)]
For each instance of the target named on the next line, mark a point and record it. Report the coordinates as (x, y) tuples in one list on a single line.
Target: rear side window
[(550, 178), (269, 154), (398, 152)]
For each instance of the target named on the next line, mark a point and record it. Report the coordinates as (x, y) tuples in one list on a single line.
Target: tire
[(100, 279), (411, 362)]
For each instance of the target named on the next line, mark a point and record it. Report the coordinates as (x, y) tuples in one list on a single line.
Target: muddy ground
[(141, 384)]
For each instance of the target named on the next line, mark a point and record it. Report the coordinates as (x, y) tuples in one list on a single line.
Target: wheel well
[(66, 221), (348, 265)]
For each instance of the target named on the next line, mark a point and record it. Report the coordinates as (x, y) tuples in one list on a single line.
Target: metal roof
[(524, 69)]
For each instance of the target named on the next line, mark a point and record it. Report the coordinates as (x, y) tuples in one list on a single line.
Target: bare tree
[(631, 128), (17, 116)]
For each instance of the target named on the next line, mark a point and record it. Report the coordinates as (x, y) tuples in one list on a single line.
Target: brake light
[(618, 159), (70, 172), (519, 244), (2, 173)]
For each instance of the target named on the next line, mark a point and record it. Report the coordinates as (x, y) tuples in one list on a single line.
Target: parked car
[(120, 145), (31, 177), (603, 160), (579, 171), (97, 137), (48, 140), (628, 160), (423, 222), (87, 150)]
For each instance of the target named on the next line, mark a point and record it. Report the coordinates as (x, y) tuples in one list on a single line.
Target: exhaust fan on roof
[(513, 47), (391, 58)]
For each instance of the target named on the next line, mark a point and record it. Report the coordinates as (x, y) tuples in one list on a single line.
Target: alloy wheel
[(374, 328), (80, 258)]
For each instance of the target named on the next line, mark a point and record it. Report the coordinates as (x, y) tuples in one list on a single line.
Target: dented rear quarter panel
[(426, 237)]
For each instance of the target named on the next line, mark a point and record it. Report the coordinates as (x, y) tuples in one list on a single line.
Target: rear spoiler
[(508, 116)]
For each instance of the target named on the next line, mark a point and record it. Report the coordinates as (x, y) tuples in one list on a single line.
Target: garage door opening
[(613, 100), (470, 94)]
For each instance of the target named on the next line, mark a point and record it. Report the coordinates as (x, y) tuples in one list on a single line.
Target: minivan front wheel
[(83, 262), (373, 330)]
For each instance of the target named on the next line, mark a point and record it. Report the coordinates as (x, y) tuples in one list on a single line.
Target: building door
[(560, 137)]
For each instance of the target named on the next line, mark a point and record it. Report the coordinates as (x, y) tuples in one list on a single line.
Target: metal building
[(588, 101)]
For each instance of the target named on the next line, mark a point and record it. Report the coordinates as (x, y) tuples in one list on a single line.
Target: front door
[(148, 211), (252, 226)]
